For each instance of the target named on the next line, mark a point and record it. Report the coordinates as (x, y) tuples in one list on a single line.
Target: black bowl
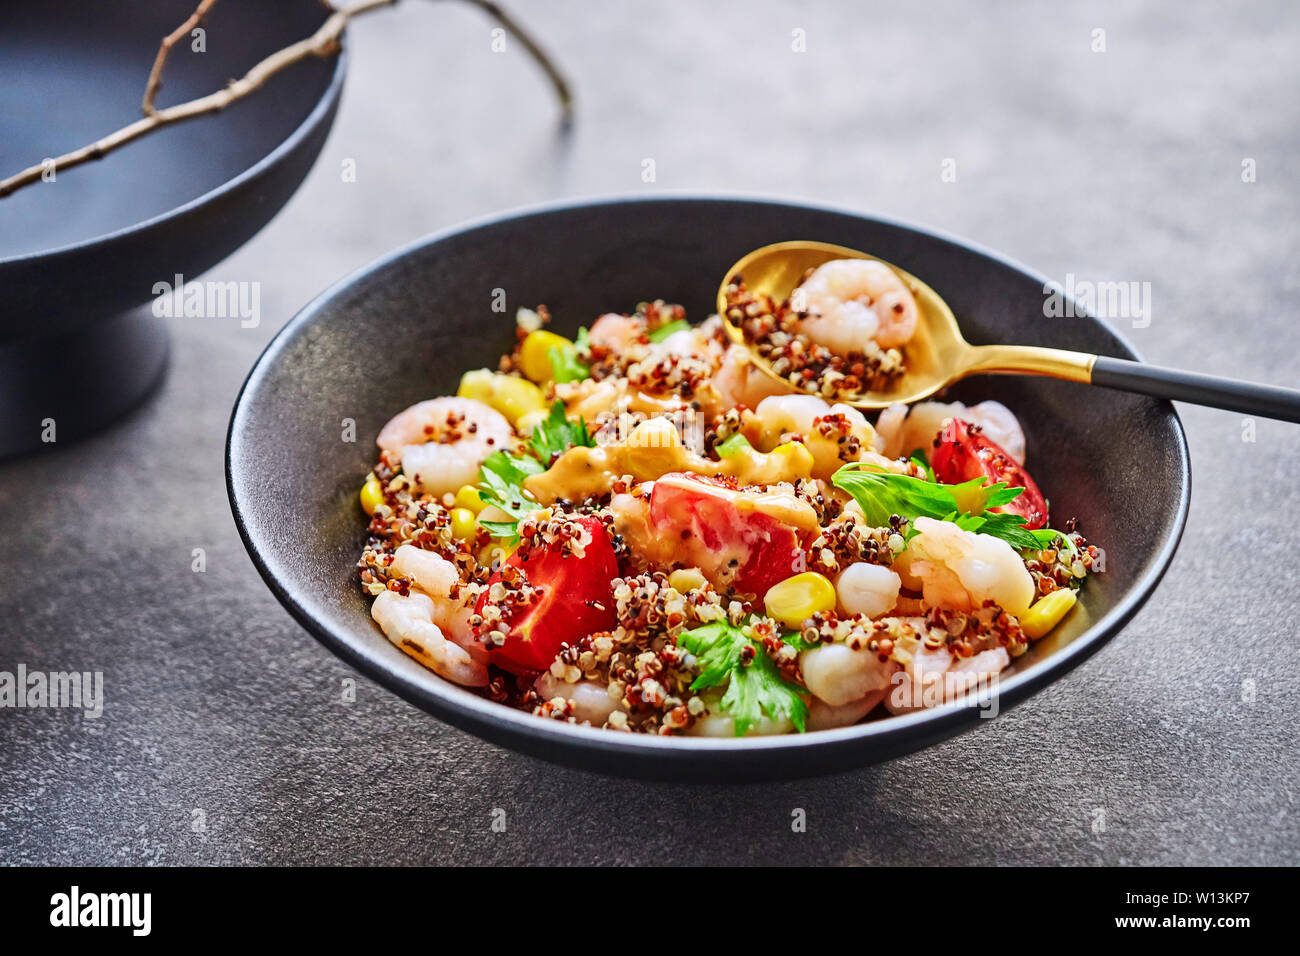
[(78, 254), (406, 327)]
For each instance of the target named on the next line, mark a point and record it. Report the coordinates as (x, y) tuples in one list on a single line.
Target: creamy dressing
[(588, 472), (782, 506)]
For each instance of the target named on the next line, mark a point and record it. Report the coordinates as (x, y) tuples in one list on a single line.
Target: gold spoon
[(937, 355)]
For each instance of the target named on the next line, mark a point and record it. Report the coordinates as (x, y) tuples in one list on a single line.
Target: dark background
[(1173, 745)]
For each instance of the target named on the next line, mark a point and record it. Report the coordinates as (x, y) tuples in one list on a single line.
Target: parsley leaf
[(566, 361), (661, 333), (718, 647), (1045, 538), (556, 435), (881, 494), (967, 504), (501, 483), (502, 475), (1009, 527), (754, 690)]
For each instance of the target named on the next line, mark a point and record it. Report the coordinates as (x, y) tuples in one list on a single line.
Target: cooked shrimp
[(619, 334), (971, 675), (592, 702), (835, 434), (720, 725), (889, 429), (920, 683), (934, 676), (442, 442), (961, 569), (738, 381), (851, 301), (437, 577), (408, 623), (903, 432), (1000, 425), (838, 674), (627, 337), (869, 589), (822, 716), (699, 341)]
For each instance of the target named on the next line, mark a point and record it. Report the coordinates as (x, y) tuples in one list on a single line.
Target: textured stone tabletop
[(224, 738)]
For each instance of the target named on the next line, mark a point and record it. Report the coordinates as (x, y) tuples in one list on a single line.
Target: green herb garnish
[(501, 483), (661, 333), (502, 475), (968, 504), (1008, 526), (732, 445), (754, 689), (1051, 538), (557, 434), (566, 361)]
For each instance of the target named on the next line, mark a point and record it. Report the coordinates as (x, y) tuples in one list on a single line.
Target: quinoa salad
[(637, 529)]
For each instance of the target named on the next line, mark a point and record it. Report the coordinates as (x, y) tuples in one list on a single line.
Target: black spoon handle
[(1232, 394)]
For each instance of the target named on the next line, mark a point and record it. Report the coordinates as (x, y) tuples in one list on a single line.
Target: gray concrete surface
[(1174, 745)]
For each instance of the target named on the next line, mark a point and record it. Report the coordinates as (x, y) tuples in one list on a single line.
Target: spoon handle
[(1232, 394)]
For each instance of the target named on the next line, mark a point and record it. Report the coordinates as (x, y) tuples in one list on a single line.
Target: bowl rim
[(500, 724), (328, 100)]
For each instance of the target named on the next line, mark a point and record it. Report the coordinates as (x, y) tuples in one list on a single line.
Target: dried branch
[(155, 75), (324, 42), (560, 84)]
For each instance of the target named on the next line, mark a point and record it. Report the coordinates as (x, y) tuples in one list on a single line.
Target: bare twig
[(561, 85), (164, 50), (323, 43)]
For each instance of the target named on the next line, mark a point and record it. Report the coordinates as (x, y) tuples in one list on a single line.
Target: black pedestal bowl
[(80, 255)]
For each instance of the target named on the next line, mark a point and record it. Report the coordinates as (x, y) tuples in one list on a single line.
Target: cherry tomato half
[(747, 548), (961, 454), (576, 600)]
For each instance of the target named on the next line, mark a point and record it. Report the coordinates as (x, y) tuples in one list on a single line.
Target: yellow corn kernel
[(686, 579), (527, 423), (477, 384), (535, 354), (654, 447), (468, 497), (800, 597), (1047, 613), (372, 494), (796, 461), (655, 433), (464, 524), (510, 395)]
